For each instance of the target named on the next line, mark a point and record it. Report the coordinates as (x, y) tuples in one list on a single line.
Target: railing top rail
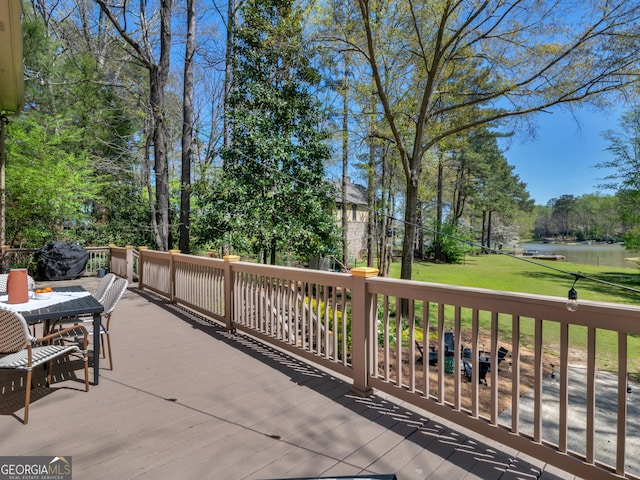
[(153, 253), (610, 316), (217, 263), (335, 279), (115, 247)]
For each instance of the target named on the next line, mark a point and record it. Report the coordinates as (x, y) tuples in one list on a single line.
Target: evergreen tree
[(276, 198)]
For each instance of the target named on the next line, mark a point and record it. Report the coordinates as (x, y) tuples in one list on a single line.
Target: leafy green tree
[(625, 179), (588, 217), (596, 217), (562, 211), (47, 187), (272, 194), (443, 67), (492, 188), (48, 174), (72, 174), (449, 245)]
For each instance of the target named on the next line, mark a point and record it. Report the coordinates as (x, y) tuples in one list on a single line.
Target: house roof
[(356, 194)]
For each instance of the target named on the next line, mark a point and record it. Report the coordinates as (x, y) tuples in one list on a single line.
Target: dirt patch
[(413, 374)]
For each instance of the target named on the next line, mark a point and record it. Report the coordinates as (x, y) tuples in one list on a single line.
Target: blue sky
[(561, 159)]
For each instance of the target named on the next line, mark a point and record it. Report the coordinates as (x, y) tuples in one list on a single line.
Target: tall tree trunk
[(371, 207), (372, 223), (146, 161), (387, 240), (187, 130), (420, 248), (272, 257), (160, 141), (228, 71), (160, 163), (345, 162), (158, 74), (408, 239), (382, 238), (437, 243), (484, 231), (489, 231)]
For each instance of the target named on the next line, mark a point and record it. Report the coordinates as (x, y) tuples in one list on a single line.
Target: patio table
[(66, 302)]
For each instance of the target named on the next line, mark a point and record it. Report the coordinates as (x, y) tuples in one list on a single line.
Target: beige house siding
[(357, 219)]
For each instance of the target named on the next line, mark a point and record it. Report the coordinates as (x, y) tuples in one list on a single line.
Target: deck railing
[(550, 397), (24, 258), (123, 261)]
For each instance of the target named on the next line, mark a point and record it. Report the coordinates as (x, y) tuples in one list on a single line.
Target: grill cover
[(61, 261)]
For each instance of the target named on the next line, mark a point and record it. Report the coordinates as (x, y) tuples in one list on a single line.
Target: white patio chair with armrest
[(110, 301), (19, 350), (103, 286)]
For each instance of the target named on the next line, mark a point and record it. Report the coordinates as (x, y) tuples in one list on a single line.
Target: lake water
[(606, 255)]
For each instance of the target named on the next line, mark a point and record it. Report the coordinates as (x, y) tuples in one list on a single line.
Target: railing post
[(5, 257), (228, 290), (362, 308), (129, 263), (172, 274), (141, 251), (111, 247)]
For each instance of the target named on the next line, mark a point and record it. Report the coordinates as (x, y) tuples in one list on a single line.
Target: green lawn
[(501, 272)]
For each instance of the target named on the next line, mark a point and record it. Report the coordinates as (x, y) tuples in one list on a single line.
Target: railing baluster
[(456, 368), (537, 388), (398, 341), (255, 296), (494, 368), (324, 311), (319, 317), (622, 403), (591, 395), (441, 354), (412, 346), (564, 387), (345, 330), (303, 316), (336, 326), (387, 346), (475, 369), (286, 323), (310, 325), (426, 327)]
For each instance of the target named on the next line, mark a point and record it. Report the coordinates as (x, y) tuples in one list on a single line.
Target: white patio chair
[(110, 301), (19, 350), (103, 286)]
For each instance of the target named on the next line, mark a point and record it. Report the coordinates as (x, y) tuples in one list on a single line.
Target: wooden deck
[(187, 400)]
